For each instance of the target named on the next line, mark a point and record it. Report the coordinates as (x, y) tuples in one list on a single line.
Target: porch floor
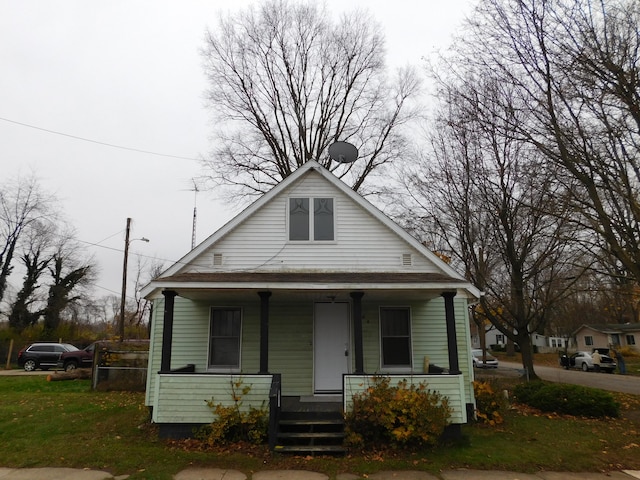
[(312, 403)]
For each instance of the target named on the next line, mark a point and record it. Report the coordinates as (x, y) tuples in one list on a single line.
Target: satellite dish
[(343, 152)]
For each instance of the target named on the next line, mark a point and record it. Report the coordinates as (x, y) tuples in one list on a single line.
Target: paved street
[(605, 381)]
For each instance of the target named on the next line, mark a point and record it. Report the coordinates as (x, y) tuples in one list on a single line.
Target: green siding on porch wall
[(291, 339)]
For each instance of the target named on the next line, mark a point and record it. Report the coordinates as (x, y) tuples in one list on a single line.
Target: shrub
[(524, 392), (490, 403), (233, 423), (628, 351), (568, 399), (406, 415)]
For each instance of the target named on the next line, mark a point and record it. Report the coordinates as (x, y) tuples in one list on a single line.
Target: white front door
[(331, 347)]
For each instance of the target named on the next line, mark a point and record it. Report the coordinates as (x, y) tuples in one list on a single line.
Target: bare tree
[(26, 309), (575, 65), (138, 312), (286, 81), (22, 202), (496, 203), (70, 273)]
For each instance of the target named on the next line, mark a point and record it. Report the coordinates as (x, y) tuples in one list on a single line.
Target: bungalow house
[(588, 337), (303, 298)]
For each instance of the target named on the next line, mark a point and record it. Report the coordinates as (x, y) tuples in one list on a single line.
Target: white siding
[(362, 243)]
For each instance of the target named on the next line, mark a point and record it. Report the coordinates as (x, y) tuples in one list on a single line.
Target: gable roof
[(448, 275), (611, 327)]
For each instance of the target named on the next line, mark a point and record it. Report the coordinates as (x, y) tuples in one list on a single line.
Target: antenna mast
[(195, 201)]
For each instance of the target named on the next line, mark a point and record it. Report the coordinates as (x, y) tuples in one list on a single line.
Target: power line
[(75, 137)]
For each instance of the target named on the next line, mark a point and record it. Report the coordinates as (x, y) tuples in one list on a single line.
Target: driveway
[(604, 381)]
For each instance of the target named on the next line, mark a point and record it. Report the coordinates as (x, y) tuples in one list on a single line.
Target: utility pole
[(123, 299)]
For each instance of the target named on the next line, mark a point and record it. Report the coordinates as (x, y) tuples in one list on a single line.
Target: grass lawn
[(66, 424)]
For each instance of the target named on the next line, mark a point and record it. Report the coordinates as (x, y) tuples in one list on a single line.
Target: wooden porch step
[(310, 449), (339, 435), (310, 432), (311, 421)]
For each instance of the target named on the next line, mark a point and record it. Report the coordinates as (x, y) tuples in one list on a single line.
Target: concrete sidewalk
[(220, 474)]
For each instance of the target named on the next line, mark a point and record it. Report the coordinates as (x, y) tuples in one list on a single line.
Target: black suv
[(42, 355)]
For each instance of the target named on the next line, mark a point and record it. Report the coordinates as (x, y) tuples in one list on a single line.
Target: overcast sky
[(128, 73)]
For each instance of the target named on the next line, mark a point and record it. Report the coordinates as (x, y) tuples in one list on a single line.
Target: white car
[(491, 361), (583, 361)]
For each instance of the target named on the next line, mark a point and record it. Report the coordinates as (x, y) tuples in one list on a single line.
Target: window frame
[(588, 340), (396, 367), (631, 339), (225, 368), (311, 219)]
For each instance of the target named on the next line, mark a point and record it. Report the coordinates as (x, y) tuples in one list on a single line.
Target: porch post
[(264, 331), (450, 316), (357, 330), (167, 330)]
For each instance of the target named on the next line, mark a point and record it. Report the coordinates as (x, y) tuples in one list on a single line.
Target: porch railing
[(274, 409), (181, 397)]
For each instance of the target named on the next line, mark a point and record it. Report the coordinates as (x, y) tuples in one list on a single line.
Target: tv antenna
[(343, 152), (195, 214)]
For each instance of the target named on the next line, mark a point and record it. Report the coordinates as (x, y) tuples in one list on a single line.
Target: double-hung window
[(224, 338), (395, 337), (311, 219)]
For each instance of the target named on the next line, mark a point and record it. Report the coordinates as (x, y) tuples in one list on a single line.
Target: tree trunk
[(77, 374), (526, 350)]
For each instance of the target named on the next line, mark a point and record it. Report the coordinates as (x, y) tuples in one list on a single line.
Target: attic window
[(307, 223), (217, 259), (407, 261)]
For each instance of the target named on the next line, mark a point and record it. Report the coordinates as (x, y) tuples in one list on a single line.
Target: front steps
[(306, 427)]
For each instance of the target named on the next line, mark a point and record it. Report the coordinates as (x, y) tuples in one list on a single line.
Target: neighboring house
[(588, 337), (493, 336), (557, 343), (304, 297)]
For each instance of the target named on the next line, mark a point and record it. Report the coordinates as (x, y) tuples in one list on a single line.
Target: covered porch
[(181, 387), (348, 288)]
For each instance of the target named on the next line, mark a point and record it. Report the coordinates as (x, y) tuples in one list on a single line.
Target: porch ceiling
[(311, 285)]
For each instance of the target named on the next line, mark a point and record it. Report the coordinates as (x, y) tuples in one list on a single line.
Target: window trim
[(588, 340), (396, 368), (223, 368), (311, 219)]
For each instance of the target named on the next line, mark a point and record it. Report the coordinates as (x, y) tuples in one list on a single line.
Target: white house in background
[(493, 336), (304, 297)]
